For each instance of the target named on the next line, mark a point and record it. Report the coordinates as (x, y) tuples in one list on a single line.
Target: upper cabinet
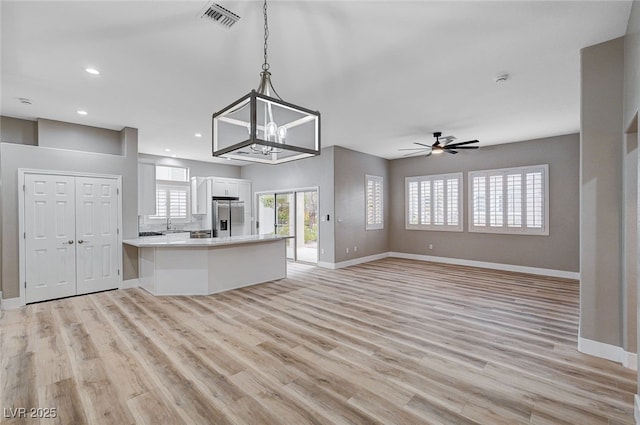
[(244, 193), (146, 188), (224, 187), (203, 188), (200, 195)]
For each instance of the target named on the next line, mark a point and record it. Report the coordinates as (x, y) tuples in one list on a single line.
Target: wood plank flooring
[(388, 342)]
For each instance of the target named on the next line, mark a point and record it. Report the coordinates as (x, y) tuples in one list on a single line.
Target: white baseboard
[(326, 265), (457, 261), (353, 262), (600, 349), (608, 352), (630, 360), (636, 409), (486, 265), (130, 283), (11, 303)]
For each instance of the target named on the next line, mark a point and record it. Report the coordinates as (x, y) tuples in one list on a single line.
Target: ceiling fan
[(442, 144)]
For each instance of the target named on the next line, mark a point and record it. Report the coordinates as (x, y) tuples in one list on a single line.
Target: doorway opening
[(294, 215)]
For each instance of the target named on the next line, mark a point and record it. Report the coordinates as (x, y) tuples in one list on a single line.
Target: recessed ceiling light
[(174, 156), (81, 112), (92, 71), (198, 134), (167, 150)]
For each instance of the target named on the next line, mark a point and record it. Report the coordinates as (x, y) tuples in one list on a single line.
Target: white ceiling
[(383, 74)]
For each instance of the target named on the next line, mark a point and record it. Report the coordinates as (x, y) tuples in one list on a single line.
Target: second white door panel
[(96, 230)]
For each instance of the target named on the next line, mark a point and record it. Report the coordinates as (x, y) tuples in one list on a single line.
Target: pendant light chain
[(268, 120), (265, 65)]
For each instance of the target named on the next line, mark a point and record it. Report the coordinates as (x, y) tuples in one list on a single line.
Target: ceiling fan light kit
[(442, 144), (261, 127)]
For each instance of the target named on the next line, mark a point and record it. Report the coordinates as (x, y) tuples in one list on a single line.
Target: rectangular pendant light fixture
[(260, 128)]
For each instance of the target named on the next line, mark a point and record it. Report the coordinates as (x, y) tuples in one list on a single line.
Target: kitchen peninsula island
[(181, 266)]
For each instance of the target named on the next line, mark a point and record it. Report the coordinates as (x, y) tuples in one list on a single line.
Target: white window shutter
[(513, 200), (434, 202)]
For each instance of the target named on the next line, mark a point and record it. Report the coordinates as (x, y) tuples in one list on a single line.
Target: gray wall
[(15, 130), (350, 168), (15, 156), (630, 114), (196, 168), (64, 135), (601, 195), (317, 172), (632, 65), (558, 251), (630, 242)]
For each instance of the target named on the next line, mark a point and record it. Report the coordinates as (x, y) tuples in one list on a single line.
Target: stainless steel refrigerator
[(227, 216)]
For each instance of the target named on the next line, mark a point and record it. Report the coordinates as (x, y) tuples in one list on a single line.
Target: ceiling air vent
[(216, 13)]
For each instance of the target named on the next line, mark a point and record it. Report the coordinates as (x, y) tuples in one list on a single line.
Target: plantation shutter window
[(374, 203), (172, 194), (434, 202), (479, 206), (412, 201), (510, 200), (171, 202)]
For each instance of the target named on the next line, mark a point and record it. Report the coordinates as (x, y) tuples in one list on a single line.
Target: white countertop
[(179, 240)]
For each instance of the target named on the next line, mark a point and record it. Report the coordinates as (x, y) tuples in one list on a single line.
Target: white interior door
[(50, 237), (96, 234)]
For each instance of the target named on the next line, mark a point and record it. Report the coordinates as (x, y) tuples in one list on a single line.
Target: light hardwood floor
[(388, 342)]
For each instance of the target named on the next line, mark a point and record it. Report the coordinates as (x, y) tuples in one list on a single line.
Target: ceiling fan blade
[(413, 149), (422, 144), (428, 154), (415, 153), (450, 151), (464, 147), (464, 143)]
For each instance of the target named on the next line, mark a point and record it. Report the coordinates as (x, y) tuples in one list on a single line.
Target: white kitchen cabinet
[(200, 195), (146, 188), (244, 191), (224, 187), (245, 195)]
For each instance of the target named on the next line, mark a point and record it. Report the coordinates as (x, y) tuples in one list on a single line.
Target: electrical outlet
[(430, 246), (355, 248), (347, 250)]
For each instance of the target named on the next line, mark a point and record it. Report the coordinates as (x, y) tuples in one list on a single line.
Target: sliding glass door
[(307, 226), (285, 221), (293, 215)]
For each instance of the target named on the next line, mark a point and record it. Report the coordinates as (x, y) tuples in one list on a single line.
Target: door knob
[(80, 241), (70, 242)]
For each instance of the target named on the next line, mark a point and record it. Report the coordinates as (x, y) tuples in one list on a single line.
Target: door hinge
[(118, 272), (25, 235), (25, 283), (24, 187), (117, 191), (117, 231)]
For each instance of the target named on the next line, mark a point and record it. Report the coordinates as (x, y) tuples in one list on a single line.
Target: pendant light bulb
[(270, 131), (282, 134)]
